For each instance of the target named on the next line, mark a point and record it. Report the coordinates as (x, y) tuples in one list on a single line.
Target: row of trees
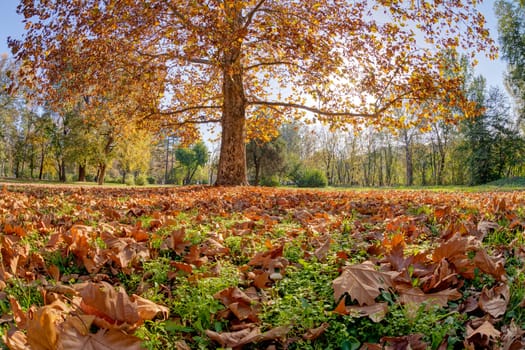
[(39, 144)]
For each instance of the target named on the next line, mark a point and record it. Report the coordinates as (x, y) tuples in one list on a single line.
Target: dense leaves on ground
[(201, 267)]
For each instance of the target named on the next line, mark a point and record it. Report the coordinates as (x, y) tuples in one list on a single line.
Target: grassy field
[(260, 268)]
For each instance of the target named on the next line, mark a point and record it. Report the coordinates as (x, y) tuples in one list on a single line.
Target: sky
[(11, 26)]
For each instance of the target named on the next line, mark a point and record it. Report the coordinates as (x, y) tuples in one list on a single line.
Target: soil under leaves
[(203, 267)]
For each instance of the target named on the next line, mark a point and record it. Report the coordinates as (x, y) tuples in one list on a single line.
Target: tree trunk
[(101, 173), (409, 171), (62, 171), (232, 163), (81, 172), (41, 170)]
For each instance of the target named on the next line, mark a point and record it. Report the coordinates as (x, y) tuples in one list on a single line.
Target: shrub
[(312, 178), (151, 180), (270, 181), (141, 180), (129, 181)]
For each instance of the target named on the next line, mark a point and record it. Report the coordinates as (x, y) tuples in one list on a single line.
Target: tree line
[(37, 143)]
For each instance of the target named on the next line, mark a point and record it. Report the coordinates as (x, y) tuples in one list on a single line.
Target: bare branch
[(250, 15), (314, 110), (187, 109)]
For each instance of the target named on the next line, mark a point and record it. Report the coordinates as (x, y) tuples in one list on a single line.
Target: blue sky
[(11, 25)]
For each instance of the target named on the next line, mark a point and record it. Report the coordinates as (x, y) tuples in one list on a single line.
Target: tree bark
[(232, 164), (41, 170), (81, 173), (101, 173)]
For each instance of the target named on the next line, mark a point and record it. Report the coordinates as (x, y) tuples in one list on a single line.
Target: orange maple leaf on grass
[(362, 282)]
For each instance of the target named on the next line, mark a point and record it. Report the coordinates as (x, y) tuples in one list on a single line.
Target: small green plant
[(193, 302), (312, 178), (27, 294), (141, 180), (270, 181), (129, 180)]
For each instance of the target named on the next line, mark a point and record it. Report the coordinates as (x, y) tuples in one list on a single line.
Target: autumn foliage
[(386, 250), (251, 64)]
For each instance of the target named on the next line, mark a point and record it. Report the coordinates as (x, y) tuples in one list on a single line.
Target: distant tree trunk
[(166, 162), (409, 171), (124, 174), (41, 167), (62, 171), (232, 164), (81, 172), (256, 164), (101, 174), (409, 164)]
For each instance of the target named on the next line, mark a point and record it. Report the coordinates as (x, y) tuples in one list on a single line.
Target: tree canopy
[(176, 64)]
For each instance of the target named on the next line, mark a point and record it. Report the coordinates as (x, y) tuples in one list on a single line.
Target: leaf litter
[(423, 248)]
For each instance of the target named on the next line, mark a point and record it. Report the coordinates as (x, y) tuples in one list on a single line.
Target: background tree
[(511, 28), (191, 159), (266, 159), (219, 61), (133, 151)]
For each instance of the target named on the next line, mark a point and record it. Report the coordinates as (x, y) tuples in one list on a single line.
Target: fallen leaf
[(494, 301), (362, 282)]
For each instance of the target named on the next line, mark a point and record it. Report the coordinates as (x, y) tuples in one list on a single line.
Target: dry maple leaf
[(375, 312), (148, 310), (513, 337), (239, 303), (315, 333), (490, 266), (42, 331), (483, 335), (494, 301), (412, 342), (362, 282), (417, 296), (112, 308), (73, 336), (16, 340), (247, 336)]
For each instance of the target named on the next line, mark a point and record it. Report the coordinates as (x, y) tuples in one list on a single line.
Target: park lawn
[(260, 268)]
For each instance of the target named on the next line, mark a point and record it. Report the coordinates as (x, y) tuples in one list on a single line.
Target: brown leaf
[(362, 282), (417, 296), (488, 265), (494, 301), (18, 314), (112, 308), (321, 252), (412, 342), (513, 337), (484, 227), (148, 310), (72, 339), (315, 333), (16, 340), (240, 304), (375, 312), (42, 326), (247, 336), (482, 335)]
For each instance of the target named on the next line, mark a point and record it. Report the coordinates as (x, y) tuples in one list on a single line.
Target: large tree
[(227, 60)]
